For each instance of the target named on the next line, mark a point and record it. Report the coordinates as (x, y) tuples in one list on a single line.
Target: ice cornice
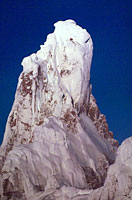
[(65, 32), (69, 29)]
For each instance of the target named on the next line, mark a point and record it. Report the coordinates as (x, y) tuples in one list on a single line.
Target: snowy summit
[(57, 144)]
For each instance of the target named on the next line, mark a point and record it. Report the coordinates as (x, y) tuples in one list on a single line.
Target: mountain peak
[(57, 144)]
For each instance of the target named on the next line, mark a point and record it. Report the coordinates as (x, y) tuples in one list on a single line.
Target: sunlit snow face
[(71, 71), (71, 51)]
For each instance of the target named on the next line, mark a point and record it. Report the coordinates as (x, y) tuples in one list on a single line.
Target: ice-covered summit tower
[(54, 80), (65, 61), (57, 144)]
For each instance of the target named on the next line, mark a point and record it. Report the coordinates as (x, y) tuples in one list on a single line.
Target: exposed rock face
[(57, 144), (100, 122)]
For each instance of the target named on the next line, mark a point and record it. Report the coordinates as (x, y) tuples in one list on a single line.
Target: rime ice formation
[(57, 144)]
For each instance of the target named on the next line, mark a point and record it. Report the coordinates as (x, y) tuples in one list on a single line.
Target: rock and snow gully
[(57, 144)]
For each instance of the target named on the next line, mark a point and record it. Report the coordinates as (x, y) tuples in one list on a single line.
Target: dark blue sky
[(25, 24)]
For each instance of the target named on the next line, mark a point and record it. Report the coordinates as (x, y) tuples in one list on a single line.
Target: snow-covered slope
[(55, 145)]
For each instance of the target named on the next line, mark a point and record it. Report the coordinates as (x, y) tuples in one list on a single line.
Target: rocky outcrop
[(100, 122)]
